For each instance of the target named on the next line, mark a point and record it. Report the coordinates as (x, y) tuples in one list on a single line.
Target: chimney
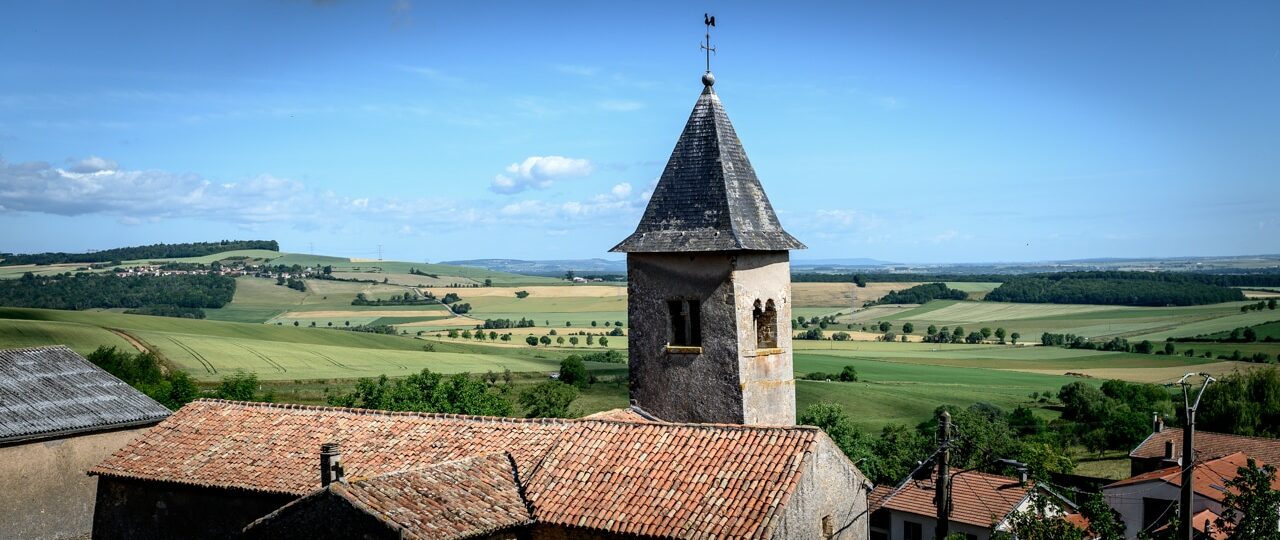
[(330, 464), (1157, 424)]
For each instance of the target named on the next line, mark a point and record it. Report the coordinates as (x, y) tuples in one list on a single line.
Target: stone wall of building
[(47, 493), (831, 489), (319, 518), (160, 510), (765, 375), (679, 387)]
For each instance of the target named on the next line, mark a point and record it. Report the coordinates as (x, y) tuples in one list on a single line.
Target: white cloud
[(93, 164), (145, 197), (98, 186), (949, 235), (539, 172)]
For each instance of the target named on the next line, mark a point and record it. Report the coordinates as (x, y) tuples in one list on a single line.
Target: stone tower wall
[(683, 387), (765, 375)]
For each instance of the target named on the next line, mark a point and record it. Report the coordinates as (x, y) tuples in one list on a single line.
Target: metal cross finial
[(710, 21)]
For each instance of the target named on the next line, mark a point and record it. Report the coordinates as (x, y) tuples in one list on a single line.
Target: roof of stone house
[(48, 392), (977, 498), (1204, 523), (875, 500), (452, 500), (1077, 520), (1208, 477), (650, 478), (708, 197), (1209, 445)]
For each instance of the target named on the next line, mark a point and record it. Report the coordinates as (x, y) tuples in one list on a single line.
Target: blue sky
[(918, 132)]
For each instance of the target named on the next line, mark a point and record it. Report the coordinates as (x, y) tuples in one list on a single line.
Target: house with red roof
[(982, 504), (1163, 447), (219, 469), (1146, 502)]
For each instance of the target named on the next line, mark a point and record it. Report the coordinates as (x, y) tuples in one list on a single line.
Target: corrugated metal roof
[(51, 391), (708, 198)]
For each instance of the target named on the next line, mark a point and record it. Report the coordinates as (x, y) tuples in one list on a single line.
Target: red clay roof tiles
[(977, 498), (1210, 445), (652, 478), (453, 500), (1208, 477)]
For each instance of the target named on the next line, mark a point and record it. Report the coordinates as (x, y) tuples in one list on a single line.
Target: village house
[(1147, 501), (982, 504), (215, 468), (60, 415), (1161, 448), (709, 450)]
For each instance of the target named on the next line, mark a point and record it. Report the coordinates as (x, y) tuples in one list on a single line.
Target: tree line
[(154, 251), (173, 388), (85, 291), (1258, 279), (1069, 289), (920, 294), (406, 299)]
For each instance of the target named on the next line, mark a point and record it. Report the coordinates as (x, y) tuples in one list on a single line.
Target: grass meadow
[(900, 382)]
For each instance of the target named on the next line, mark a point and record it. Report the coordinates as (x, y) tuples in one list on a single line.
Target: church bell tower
[(709, 289)]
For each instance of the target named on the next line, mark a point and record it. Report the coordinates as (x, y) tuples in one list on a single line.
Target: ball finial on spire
[(708, 79)]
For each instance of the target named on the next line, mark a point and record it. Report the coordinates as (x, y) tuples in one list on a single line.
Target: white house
[(1147, 501), (981, 505)]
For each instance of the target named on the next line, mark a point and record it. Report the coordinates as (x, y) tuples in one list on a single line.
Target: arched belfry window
[(686, 323), (766, 318)]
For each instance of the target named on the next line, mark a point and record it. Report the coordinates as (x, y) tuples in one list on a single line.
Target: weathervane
[(710, 21)]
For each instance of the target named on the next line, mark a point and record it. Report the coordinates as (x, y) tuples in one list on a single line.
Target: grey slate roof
[(49, 392), (708, 198)]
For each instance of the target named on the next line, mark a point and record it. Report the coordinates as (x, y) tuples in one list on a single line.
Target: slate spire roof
[(708, 198)]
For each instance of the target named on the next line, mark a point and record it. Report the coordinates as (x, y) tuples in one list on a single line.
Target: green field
[(893, 392), (1031, 320), (210, 350), (901, 382)]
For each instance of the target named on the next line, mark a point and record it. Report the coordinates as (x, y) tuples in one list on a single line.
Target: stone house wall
[(161, 510), (47, 493), (831, 488)]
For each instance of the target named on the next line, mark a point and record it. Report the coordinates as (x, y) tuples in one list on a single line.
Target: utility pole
[(379, 252), (942, 486), (1185, 530)]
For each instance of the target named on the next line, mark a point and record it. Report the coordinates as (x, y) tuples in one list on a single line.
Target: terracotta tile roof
[(653, 478), (1077, 520), (452, 500), (1200, 522), (876, 499), (1208, 477), (1210, 445), (977, 499), (680, 480), (53, 392)]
